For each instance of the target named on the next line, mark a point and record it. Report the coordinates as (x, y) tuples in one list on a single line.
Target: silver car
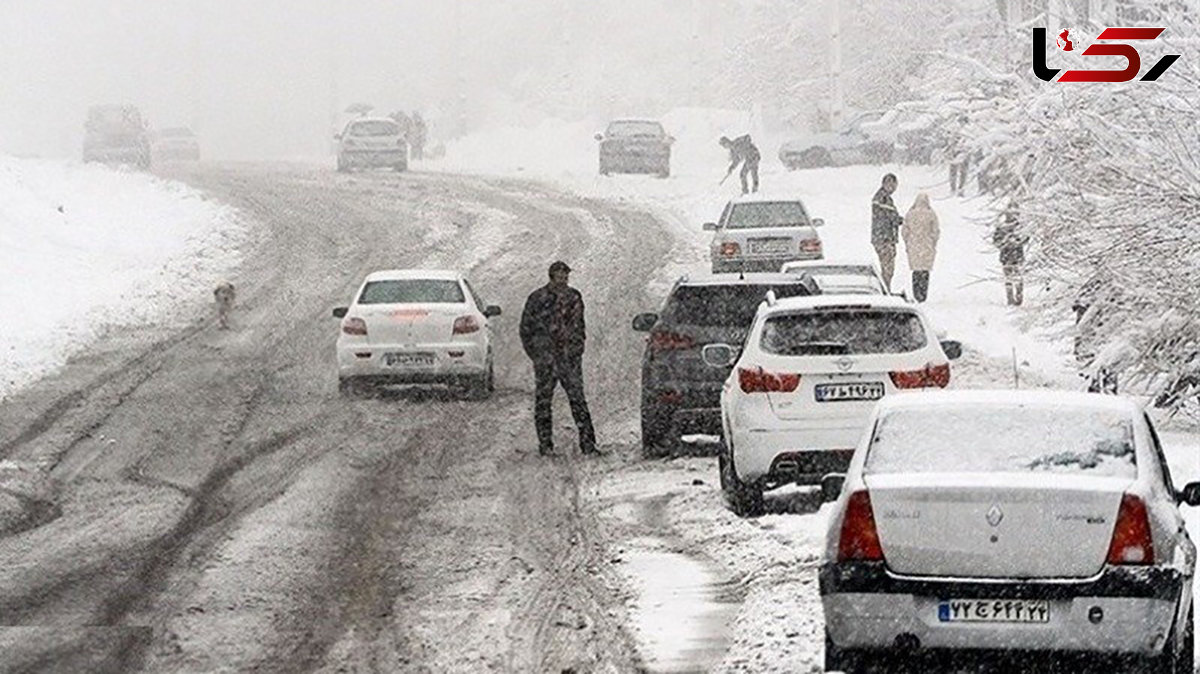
[(1009, 523), (761, 234), (372, 143)]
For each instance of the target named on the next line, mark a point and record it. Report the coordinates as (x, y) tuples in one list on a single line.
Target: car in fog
[(116, 134), (757, 233), (840, 277), (1009, 523), (176, 144), (805, 381), (680, 393), (863, 139), (371, 142), (635, 146), (409, 327)]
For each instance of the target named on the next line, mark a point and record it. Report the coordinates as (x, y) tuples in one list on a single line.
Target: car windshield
[(379, 127), (412, 291), (1003, 439), (634, 128), (843, 331), (724, 305), (767, 214)]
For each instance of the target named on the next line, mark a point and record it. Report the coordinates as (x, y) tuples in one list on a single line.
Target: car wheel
[(1185, 660), (847, 661), (657, 432), (481, 387), (351, 387), (745, 500)]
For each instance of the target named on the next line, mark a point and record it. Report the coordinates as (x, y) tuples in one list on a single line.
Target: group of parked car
[(119, 134), (1004, 523)]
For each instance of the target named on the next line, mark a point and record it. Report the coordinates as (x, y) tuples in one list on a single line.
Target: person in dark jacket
[(1010, 241), (553, 335), (742, 151), (417, 136), (885, 226)]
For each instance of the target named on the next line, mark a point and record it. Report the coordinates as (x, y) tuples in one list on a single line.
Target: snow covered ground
[(86, 248), (769, 563)]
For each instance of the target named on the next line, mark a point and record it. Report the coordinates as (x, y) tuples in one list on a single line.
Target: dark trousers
[(568, 371), (958, 176), (750, 167), (920, 284), (1014, 286)]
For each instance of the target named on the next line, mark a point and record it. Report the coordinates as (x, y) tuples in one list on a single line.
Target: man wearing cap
[(552, 334)]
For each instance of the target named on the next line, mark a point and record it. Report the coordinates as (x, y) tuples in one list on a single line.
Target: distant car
[(176, 143), (806, 380), (845, 148), (840, 277), (908, 128), (372, 143), (680, 394), (758, 233), (635, 146), (1009, 523), (416, 327), (116, 134)]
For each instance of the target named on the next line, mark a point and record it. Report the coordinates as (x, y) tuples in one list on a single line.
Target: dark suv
[(680, 394)]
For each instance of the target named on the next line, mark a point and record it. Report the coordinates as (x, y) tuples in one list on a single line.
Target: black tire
[(482, 387), (350, 387), (658, 438), (849, 662), (745, 500)]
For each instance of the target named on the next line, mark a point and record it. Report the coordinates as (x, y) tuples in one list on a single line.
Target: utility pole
[(837, 103)]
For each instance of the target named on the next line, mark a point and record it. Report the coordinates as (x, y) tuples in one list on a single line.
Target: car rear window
[(843, 331), (374, 128), (1003, 439), (634, 129), (767, 214), (723, 305), (412, 291)]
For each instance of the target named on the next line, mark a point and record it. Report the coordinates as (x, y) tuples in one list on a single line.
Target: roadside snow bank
[(84, 248)]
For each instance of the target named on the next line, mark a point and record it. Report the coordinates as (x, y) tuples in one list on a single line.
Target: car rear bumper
[(685, 407), (794, 456), (635, 162), (451, 360), (375, 158), (867, 607)]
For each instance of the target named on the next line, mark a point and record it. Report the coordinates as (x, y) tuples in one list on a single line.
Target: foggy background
[(268, 79)]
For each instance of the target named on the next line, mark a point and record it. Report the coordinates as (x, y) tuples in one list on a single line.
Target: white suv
[(416, 327), (811, 371)]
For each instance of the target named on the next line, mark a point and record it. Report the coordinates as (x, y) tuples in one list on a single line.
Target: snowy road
[(207, 501)]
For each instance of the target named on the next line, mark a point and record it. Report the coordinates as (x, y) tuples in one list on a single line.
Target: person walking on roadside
[(921, 232), (885, 225), (418, 135), (742, 151), (553, 335), (1010, 241)]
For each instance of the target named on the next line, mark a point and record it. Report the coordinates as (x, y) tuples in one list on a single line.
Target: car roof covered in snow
[(765, 198), (1008, 397), (405, 274), (849, 301), (749, 278)]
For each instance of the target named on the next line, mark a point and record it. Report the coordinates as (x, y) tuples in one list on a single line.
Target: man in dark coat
[(742, 151), (553, 336), (1010, 241), (885, 225)]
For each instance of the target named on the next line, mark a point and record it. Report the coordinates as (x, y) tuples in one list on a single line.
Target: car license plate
[(770, 246), (994, 611), (408, 359), (827, 393)]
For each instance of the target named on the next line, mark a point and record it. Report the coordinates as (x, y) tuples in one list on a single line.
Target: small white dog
[(225, 295)]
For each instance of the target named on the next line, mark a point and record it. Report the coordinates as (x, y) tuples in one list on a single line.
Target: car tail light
[(810, 245), (1131, 540), (928, 377), (859, 540), (757, 380), (464, 325), (730, 248), (354, 326), (663, 340)]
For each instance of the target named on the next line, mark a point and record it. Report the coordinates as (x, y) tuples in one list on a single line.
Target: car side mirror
[(341, 312), (599, 136), (1190, 494), (818, 222), (491, 310), (719, 355), (952, 348), (831, 486), (710, 226), (644, 322)]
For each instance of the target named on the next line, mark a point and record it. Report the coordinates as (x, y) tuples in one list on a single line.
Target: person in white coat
[(920, 232)]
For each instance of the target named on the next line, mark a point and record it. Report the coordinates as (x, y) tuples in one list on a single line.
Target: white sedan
[(416, 327), (811, 370), (1012, 523)]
